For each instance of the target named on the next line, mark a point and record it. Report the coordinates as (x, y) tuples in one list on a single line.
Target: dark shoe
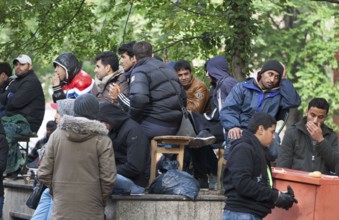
[(203, 182), (204, 138), (212, 182)]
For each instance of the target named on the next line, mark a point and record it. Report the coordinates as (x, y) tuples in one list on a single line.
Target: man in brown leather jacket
[(197, 93)]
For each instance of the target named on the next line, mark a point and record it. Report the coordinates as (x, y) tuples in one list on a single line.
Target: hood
[(217, 67), (80, 129), (70, 63), (113, 115)]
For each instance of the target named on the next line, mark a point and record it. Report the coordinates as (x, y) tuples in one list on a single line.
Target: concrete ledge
[(134, 207)]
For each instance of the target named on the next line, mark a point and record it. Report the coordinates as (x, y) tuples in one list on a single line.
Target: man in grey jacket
[(310, 145)]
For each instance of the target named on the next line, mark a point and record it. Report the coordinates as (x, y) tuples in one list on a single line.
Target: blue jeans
[(45, 207), (126, 186), (1, 205), (230, 215)]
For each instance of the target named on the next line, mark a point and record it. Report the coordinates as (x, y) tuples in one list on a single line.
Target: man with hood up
[(208, 125), (69, 80), (79, 166), (271, 92), (131, 149)]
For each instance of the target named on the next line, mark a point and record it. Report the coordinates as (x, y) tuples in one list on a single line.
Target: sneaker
[(212, 182), (204, 138)]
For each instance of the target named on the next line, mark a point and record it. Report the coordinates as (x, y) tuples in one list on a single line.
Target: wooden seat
[(171, 140)]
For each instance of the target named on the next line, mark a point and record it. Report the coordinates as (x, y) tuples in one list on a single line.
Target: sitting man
[(310, 145), (108, 73), (24, 95), (5, 79), (33, 156), (69, 80), (131, 150), (270, 92), (248, 179), (197, 93)]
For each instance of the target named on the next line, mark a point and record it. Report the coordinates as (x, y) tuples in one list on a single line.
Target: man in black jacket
[(131, 149), (3, 163), (155, 92), (25, 96), (247, 176)]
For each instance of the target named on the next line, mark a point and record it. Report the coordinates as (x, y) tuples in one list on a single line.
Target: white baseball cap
[(23, 59)]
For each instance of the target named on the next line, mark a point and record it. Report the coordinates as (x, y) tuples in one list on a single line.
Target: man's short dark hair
[(142, 49), (51, 124), (182, 64), (319, 103), (127, 48), (6, 68), (260, 118), (109, 58)]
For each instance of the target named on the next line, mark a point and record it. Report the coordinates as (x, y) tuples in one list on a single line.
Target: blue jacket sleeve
[(231, 110), (290, 97)]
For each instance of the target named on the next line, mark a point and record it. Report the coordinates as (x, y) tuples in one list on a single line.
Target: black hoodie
[(130, 144), (3, 156), (246, 181)]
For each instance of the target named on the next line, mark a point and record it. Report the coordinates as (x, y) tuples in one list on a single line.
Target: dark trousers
[(213, 127), (204, 162)]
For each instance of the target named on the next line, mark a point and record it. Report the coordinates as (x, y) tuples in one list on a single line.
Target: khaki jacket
[(79, 168)]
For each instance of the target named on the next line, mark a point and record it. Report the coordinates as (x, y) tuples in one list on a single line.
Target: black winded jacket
[(246, 180), (3, 156), (26, 97), (153, 93), (130, 144)]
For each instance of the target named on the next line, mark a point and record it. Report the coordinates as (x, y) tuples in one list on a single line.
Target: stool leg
[(153, 160), (181, 156), (220, 163)]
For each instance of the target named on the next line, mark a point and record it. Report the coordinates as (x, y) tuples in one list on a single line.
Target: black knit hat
[(272, 65), (86, 106)]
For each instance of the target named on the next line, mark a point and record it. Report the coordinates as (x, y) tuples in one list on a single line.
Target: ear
[(134, 59), (260, 130)]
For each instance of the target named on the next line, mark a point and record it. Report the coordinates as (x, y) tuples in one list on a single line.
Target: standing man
[(154, 93), (248, 179), (69, 80), (197, 93), (78, 166), (270, 92), (24, 95), (310, 145), (107, 73)]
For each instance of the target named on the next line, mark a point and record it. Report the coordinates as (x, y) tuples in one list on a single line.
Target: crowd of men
[(102, 142)]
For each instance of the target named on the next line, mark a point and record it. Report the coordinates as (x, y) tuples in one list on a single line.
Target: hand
[(315, 131), (284, 75), (55, 80), (114, 91), (234, 133), (286, 199)]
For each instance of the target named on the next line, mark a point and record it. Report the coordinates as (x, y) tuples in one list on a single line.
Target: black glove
[(286, 199)]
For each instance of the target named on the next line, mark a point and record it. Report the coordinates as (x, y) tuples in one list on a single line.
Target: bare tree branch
[(330, 1), (129, 13)]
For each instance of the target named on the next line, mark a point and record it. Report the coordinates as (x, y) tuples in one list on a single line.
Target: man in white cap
[(25, 95)]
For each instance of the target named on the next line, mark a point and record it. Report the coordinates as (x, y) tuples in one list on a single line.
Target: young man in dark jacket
[(131, 149), (310, 145), (154, 93), (247, 177), (3, 163), (24, 95)]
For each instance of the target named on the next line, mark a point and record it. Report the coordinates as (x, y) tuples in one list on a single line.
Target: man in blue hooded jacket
[(271, 92), (208, 125)]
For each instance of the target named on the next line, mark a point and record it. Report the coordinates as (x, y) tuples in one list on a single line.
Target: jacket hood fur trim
[(80, 128)]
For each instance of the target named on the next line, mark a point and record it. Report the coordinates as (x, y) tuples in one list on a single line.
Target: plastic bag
[(176, 182)]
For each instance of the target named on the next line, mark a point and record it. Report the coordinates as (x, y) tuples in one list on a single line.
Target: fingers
[(235, 133)]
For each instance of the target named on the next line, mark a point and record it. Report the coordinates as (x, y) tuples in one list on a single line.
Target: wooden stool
[(171, 140), (221, 161)]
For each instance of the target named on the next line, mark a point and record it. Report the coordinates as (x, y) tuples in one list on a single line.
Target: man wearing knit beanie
[(271, 92), (86, 106)]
